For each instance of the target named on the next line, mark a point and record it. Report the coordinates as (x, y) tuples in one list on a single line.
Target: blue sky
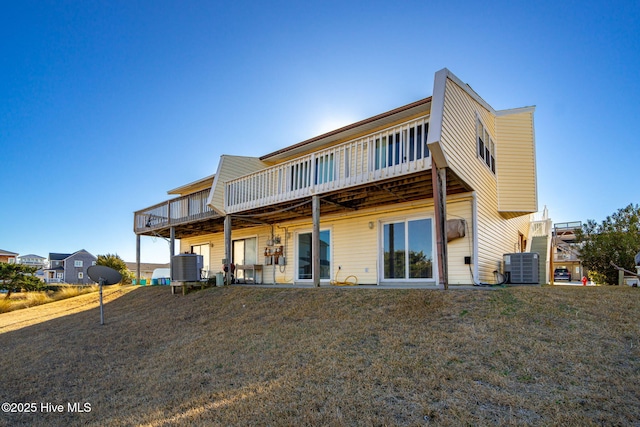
[(106, 105)]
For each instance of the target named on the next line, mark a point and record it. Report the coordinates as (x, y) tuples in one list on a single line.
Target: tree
[(616, 239), (14, 277), (117, 263)]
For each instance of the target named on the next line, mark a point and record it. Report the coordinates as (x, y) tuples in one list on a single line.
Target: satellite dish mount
[(103, 275)]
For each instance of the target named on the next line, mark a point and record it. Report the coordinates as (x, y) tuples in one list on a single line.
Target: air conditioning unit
[(186, 267), (522, 267)]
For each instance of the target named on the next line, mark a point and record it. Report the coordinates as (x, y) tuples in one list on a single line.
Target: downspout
[(474, 227)]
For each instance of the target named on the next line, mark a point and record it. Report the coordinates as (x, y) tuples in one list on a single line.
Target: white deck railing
[(395, 151)]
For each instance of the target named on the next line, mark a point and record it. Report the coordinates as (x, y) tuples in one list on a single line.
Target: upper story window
[(396, 147), (77, 263), (486, 147)]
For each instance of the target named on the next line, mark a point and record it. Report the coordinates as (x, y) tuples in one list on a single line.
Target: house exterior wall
[(71, 271), (496, 210), (355, 244), (231, 167), (517, 169), (8, 259), (496, 235)]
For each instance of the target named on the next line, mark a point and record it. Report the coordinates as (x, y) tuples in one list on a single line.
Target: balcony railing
[(395, 151), (181, 210)]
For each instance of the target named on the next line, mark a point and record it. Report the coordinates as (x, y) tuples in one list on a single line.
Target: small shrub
[(5, 305), (70, 291), (37, 298)]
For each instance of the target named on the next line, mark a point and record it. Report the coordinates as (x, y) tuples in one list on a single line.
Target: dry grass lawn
[(332, 356), (21, 300)]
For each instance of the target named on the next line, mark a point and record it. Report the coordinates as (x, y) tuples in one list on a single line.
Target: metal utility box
[(186, 267), (522, 267)]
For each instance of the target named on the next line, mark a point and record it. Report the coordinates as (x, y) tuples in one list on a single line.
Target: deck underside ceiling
[(409, 188)]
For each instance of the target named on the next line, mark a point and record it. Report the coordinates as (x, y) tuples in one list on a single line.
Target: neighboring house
[(431, 193), (8, 257), (146, 268), (566, 249), (69, 268), (33, 260)]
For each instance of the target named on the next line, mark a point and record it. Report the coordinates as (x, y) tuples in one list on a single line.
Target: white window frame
[(296, 260), (80, 275), (78, 263), (406, 220), (488, 147)]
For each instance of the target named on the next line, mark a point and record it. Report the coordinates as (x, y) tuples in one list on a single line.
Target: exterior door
[(245, 252), (407, 250), (203, 250), (305, 256)]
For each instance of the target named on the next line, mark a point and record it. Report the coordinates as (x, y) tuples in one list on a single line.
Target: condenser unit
[(522, 267), (186, 267)]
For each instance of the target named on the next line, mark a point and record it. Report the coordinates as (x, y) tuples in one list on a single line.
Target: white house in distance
[(432, 193), (33, 260)]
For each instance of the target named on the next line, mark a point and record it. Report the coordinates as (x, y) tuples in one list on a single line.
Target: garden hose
[(345, 282)]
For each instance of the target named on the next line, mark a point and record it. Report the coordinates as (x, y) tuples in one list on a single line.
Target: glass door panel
[(305, 255), (420, 249), (394, 251)]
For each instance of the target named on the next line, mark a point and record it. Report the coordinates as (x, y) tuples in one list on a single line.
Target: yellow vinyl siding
[(354, 245), (459, 273), (496, 237), (231, 167), (216, 244), (355, 248), (496, 234), (517, 169)]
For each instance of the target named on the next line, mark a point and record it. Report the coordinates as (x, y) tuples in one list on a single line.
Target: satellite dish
[(104, 276)]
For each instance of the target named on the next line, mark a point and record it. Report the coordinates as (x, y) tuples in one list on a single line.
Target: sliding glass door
[(407, 250), (305, 256)]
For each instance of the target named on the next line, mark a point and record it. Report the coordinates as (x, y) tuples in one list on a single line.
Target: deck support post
[(315, 240), (439, 180), (227, 248), (138, 259)]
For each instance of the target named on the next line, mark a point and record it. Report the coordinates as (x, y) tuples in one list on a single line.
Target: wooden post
[(227, 248), (138, 259), (315, 240), (439, 181)]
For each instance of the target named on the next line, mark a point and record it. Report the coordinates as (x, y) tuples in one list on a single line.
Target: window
[(80, 275), (486, 147), (305, 255), (59, 275), (77, 263), (407, 249), (394, 148)]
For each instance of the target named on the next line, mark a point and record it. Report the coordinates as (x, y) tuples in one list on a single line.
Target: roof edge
[(348, 127)]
